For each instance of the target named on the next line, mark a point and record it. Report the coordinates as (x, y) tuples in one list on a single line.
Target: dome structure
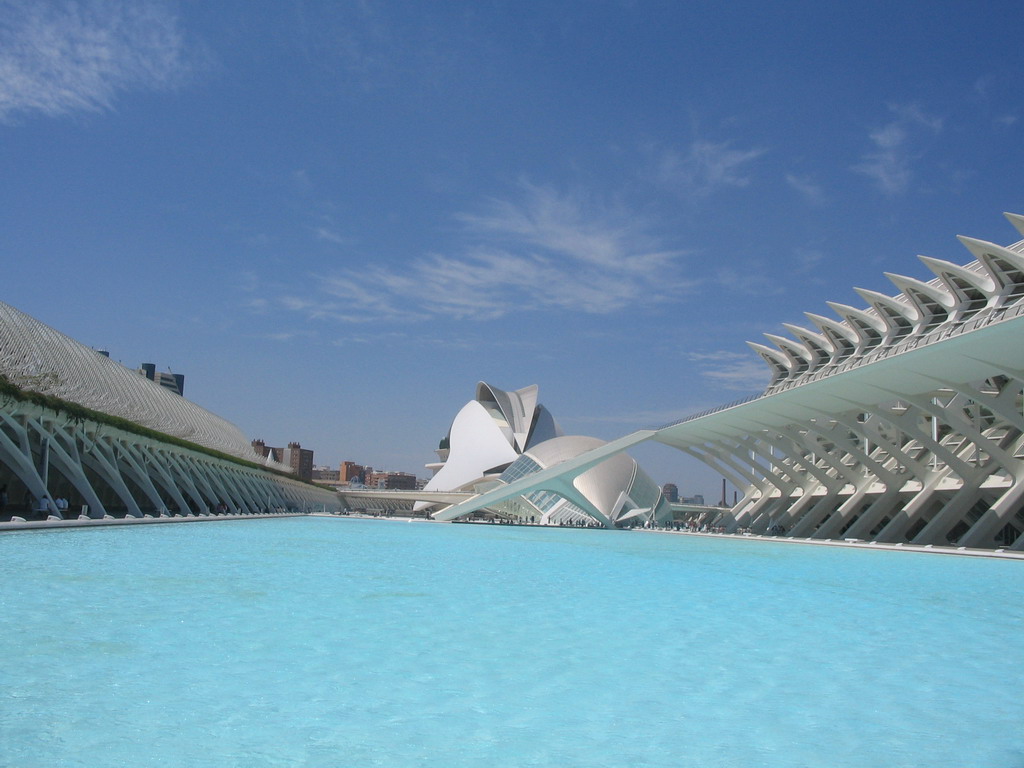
[(500, 436), (614, 493), (488, 434)]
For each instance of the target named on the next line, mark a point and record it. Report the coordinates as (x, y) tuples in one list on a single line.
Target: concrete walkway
[(52, 525), (928, 549)]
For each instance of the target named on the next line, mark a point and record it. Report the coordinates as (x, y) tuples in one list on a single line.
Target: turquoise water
[(319, 642)]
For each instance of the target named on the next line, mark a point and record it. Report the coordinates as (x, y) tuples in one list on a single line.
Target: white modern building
[(488, 434), (500, 437), (184, 460), (898, 421)]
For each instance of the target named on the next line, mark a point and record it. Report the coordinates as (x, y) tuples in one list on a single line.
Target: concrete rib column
[(832, 485), (827, 522), (18, 456), (730, 458), (212, 480), (1003, 404), (782, 471), (886, 503), (272, 491), (177, 475), (951, 513), (235, 498), (64, 450), (186, 469), (910, 512), (750, 493), (154, 469), (802, 473), (998, 515), (246, 487), (967, 430), (98, 455), (129, 466), (804, 453), (251, 489)]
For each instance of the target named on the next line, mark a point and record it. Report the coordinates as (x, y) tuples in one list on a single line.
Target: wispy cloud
[(705, 167), (888, 162), (372, 45), (541, 250), (749, 279), (287, 335), (807, 259), (323, 233), (732, 370), (62, 57), (806, 186)]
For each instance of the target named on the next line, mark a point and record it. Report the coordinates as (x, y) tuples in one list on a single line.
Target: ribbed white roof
[(978, 292), (38, 358)]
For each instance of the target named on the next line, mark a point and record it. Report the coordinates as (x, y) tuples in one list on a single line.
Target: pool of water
[(320, 642)]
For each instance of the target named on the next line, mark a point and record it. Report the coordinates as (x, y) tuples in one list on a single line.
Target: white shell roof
[(38, 358), (957, 294)]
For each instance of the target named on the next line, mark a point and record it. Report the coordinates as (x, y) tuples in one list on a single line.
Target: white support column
[(186, 469), (175, 474), (66, 456), (999, 514), (801, 452), (18, 456), (98, 454), (147, 459), (732, 457), (128, 465)]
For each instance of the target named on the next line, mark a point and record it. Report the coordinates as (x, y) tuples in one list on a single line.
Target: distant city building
[(350, 472), (358, 475), (295, 456), (300, 460), (325, 475), (395, 481), (671, 492), (697, 498), (266, 451), (175, 382)]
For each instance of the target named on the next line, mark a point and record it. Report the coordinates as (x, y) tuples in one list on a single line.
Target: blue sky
[(334, 218)]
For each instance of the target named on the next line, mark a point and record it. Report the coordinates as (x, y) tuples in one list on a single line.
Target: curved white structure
[(487, 435), (102, 468), (613, 493), (38, 358), (899, 422), (958, 298), (500, 437)]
